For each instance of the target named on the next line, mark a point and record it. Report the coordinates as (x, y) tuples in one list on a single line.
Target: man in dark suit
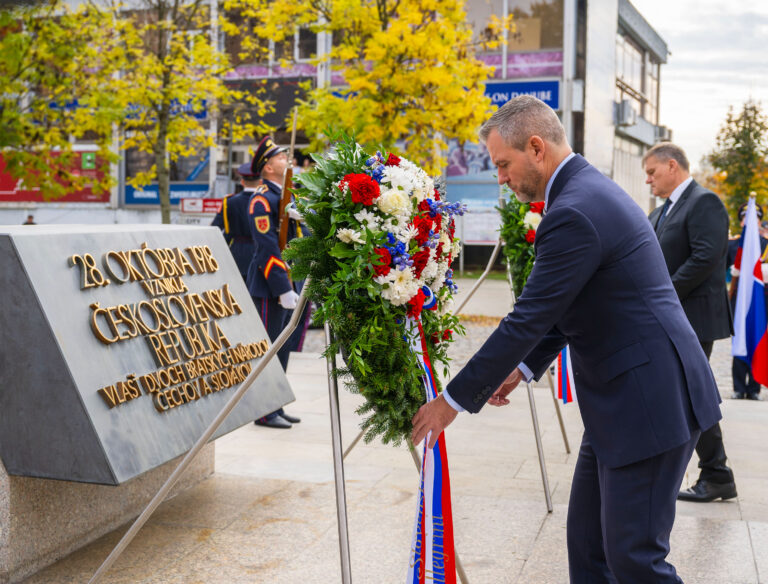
[(233, 219), (268, 280), (645, 387), (692, 227)]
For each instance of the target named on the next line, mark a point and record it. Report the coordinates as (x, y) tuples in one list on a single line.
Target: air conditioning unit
[(625, 114), (662, 134)]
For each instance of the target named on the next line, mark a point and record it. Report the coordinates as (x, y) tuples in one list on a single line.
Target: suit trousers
[(619, 519), (711, 450), (743, 382), (274, 317)]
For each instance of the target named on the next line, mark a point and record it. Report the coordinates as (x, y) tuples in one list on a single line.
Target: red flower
[(537, 207), (439, 251), (451, 228), (420, 259), (392, 160), (382, 262), (436, 337), (530, 235), (437, 195), (416, 303), (362, 188), (424, 206), (423, 224)]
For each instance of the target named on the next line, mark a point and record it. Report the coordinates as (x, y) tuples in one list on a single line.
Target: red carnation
[(392, 160), (435, 338), (437, 195), (447, 334), (416, 303), (362, 188), (424, 206), (530, 235), (439, 251), (451, 228), (537, 207), (423, 225), (420, 259), (382, 266)]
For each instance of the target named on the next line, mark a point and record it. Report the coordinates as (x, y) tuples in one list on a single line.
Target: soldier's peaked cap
[(266, 150)]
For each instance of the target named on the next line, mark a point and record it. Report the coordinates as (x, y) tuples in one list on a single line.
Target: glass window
[(538, 23), (306, 44)]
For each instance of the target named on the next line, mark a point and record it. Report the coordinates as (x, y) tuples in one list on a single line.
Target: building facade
[(596, 62)]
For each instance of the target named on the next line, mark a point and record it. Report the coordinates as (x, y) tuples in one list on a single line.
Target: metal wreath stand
[(336, 442)]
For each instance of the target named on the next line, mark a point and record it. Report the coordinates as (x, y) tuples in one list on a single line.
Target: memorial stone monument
[(120, 344)]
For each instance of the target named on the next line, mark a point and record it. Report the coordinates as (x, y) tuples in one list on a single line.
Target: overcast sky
[(719, 58)]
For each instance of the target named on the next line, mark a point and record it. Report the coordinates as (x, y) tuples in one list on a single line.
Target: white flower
[(398, 178), (368, 219), (406, 233), (349, 236), (456, 247), (394, 202), (532, 220), (401, 286), (430, 270)]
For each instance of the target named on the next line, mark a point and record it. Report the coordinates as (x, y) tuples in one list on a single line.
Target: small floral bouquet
[(379, 255), (519, 222)]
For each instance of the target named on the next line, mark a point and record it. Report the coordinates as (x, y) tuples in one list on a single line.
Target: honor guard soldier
[(268, 281), (233, 220)]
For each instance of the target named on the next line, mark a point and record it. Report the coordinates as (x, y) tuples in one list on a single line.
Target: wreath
[(519, 222), (379, 254)]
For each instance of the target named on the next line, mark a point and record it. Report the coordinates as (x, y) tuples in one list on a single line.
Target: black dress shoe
[(754, 397), (706, 491), (276, 422), (291, 419)]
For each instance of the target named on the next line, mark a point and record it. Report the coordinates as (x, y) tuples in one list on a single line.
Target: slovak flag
[(750, 342), (566, 388)]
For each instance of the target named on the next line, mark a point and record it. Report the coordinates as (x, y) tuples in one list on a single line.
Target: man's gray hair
[(664, 151), (522, 117)]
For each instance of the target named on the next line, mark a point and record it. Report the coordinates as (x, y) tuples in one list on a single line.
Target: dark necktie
[(664, 209)]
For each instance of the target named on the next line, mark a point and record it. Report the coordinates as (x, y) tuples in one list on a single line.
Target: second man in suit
[(692, 227)]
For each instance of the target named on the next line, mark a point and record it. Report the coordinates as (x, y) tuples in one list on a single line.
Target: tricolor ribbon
[(566, 388), (432, 556)]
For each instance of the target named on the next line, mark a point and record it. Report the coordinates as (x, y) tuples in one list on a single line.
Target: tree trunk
[(161, 162)]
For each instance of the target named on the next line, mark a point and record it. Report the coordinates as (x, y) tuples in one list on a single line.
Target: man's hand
[(289, 299), (433, 417), (293, 212), (499, 397)]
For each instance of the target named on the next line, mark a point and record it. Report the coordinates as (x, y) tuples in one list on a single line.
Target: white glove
[(289, 300), (293, 212), (734, 271), (764, 267)]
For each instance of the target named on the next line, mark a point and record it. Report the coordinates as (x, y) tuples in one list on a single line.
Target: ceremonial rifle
[(285, 200)]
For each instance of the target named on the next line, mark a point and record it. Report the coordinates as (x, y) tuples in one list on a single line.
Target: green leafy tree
[(740, 157), (173, 71), (56, 67), (412, 78)]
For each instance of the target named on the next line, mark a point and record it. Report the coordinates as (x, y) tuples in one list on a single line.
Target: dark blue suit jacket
[(233, 222), (601, 285)]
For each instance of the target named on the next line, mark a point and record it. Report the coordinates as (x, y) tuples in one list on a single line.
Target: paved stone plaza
[(268, 514)]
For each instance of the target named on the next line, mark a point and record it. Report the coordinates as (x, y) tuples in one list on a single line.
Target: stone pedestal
[(42, 520)]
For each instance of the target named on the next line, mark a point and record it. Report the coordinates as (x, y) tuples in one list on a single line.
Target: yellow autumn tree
[(173, 86), (56, 67), (411, 78)]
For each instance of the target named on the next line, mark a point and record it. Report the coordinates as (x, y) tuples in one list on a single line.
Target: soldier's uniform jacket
[(233, 221), (268, 273)]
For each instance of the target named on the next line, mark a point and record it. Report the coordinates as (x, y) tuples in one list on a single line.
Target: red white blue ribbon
[(432, 557), (566, 388)]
